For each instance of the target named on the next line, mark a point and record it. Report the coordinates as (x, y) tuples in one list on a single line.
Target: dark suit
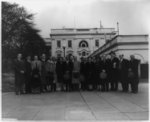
[(104, 82), (28, 77), (123, 72), (114, 73), (68, 68), (19, 77), (90, 72), (59, 71), (109, 70), (43, 74), (133, 65), (97, 69), (83, 75)]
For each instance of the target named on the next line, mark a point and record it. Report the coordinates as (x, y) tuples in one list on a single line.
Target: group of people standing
[(45, 74)]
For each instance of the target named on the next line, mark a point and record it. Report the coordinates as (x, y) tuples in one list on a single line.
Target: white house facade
[(79, 42)]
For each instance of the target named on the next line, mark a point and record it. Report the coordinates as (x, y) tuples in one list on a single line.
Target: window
[(83, 53), (83, 44), (70, 43), (97, 43), (58, 43)]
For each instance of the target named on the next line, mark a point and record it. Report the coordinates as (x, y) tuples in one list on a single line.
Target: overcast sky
[(133, 16)]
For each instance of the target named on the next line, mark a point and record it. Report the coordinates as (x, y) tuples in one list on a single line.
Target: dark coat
[(133, 65), (68, 66), (19, 77), (90, 71), (114, 64), (82, 68), (109, 65), (123, 70), (97, 67), (36, 74), (43, 72), (59, 71), (28, 70), (104, 65)]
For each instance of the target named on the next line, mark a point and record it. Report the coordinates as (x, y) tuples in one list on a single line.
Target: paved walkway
[(77, 106)]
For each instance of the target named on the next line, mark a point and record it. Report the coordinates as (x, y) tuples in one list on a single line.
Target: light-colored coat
[(50, 66)]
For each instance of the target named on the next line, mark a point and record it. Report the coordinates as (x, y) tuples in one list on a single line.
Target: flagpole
[(100, 24), (118, 27)]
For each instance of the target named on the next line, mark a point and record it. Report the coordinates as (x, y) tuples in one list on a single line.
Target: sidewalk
[(77, 106)]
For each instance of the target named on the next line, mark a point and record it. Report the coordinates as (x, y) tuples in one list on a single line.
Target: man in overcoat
[(114, 62), (123, 72), (60, 71), (97, 70), (90, 73), (104, 73), (83, 74), (133, 76), (19, 67), (68, 68)]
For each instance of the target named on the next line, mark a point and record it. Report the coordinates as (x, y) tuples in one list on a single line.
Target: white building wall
[(142, 55), (135, 46), (77, 37), (132, 38)]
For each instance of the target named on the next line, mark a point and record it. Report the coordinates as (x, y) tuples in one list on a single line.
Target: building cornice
[(74, 34), (133, 35), (78, 28)]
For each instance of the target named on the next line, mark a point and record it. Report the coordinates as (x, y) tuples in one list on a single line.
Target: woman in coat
[(50, 69)]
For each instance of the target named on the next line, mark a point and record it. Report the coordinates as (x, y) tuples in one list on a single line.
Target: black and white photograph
[(75, 60)]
